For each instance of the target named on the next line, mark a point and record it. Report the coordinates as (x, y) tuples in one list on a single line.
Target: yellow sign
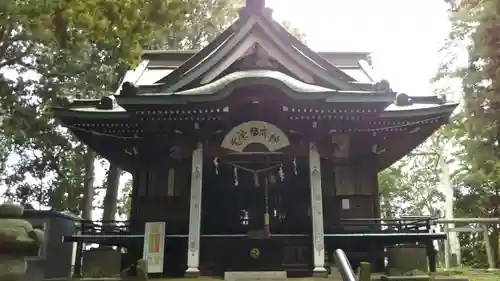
[(254, 253), (272, 137), (154, 244)]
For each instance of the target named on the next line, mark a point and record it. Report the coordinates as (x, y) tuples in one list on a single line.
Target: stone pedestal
[(18, 240), (101, 262), (407, 259)]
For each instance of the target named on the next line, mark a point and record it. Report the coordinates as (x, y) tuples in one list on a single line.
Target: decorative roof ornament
[(442, 99), (255, 8), (403, 99), (129, 89), (383, 86), (257, 58), (107, 102)]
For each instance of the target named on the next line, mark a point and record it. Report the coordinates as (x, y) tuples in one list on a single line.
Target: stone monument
[(18, 240)]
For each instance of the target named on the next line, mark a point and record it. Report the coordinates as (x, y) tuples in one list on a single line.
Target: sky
[(404, 36)]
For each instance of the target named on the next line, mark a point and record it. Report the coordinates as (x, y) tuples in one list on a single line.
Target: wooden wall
[(162, 194), (349, 191)]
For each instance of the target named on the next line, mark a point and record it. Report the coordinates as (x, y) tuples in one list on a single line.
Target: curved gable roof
[(263, 30)]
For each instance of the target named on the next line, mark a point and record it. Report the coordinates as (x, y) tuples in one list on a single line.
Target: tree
[(125, 199), (205, 20), (411, 186), (476, 30), (56, 48), (78, 50)]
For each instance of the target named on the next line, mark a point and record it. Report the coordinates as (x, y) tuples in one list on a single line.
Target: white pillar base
[(320, 272), (192, 272)]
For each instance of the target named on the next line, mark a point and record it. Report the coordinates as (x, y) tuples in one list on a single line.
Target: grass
[(472, 274)]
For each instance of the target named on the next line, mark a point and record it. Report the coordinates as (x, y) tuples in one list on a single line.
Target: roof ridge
[(198, 56), (298, 53)]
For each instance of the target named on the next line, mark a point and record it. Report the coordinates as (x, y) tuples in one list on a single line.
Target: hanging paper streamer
[(256, 179), (255, 173), (294, 161), (235, 176), (272, 178), (216, 164), (281, 173), (267, 231)]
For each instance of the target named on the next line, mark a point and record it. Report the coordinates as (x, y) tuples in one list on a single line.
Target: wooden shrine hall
[(256, 153)]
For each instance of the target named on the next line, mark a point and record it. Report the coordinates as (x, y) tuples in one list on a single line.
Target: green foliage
[(205, 20), (125, 199), (410, 187), (76, 49)]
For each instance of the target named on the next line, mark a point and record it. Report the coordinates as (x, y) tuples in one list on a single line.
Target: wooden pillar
[(193, 258), (431, 255), (317, 211)]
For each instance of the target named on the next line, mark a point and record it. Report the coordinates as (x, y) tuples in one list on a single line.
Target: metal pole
[(343, 265)]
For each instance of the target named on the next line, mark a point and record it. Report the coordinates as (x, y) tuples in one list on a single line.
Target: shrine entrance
[(256, 206)]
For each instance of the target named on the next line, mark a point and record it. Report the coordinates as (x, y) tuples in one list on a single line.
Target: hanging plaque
[(259, 132)]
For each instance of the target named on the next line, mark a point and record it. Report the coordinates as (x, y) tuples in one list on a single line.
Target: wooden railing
[(362, 225), (103, 227)]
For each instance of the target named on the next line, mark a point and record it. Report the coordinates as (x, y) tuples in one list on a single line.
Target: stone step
[(254, 275)]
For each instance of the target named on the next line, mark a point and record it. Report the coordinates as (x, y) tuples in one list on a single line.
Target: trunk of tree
[(88, 195), (111, 198)]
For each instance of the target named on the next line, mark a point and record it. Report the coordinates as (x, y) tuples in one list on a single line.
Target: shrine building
[(256, 153)]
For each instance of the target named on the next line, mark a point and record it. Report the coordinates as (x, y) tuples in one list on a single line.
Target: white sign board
[(154, 246), (259, 132)]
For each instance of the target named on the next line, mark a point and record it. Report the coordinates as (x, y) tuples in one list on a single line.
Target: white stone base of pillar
[(320, 272), (192, 272)]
